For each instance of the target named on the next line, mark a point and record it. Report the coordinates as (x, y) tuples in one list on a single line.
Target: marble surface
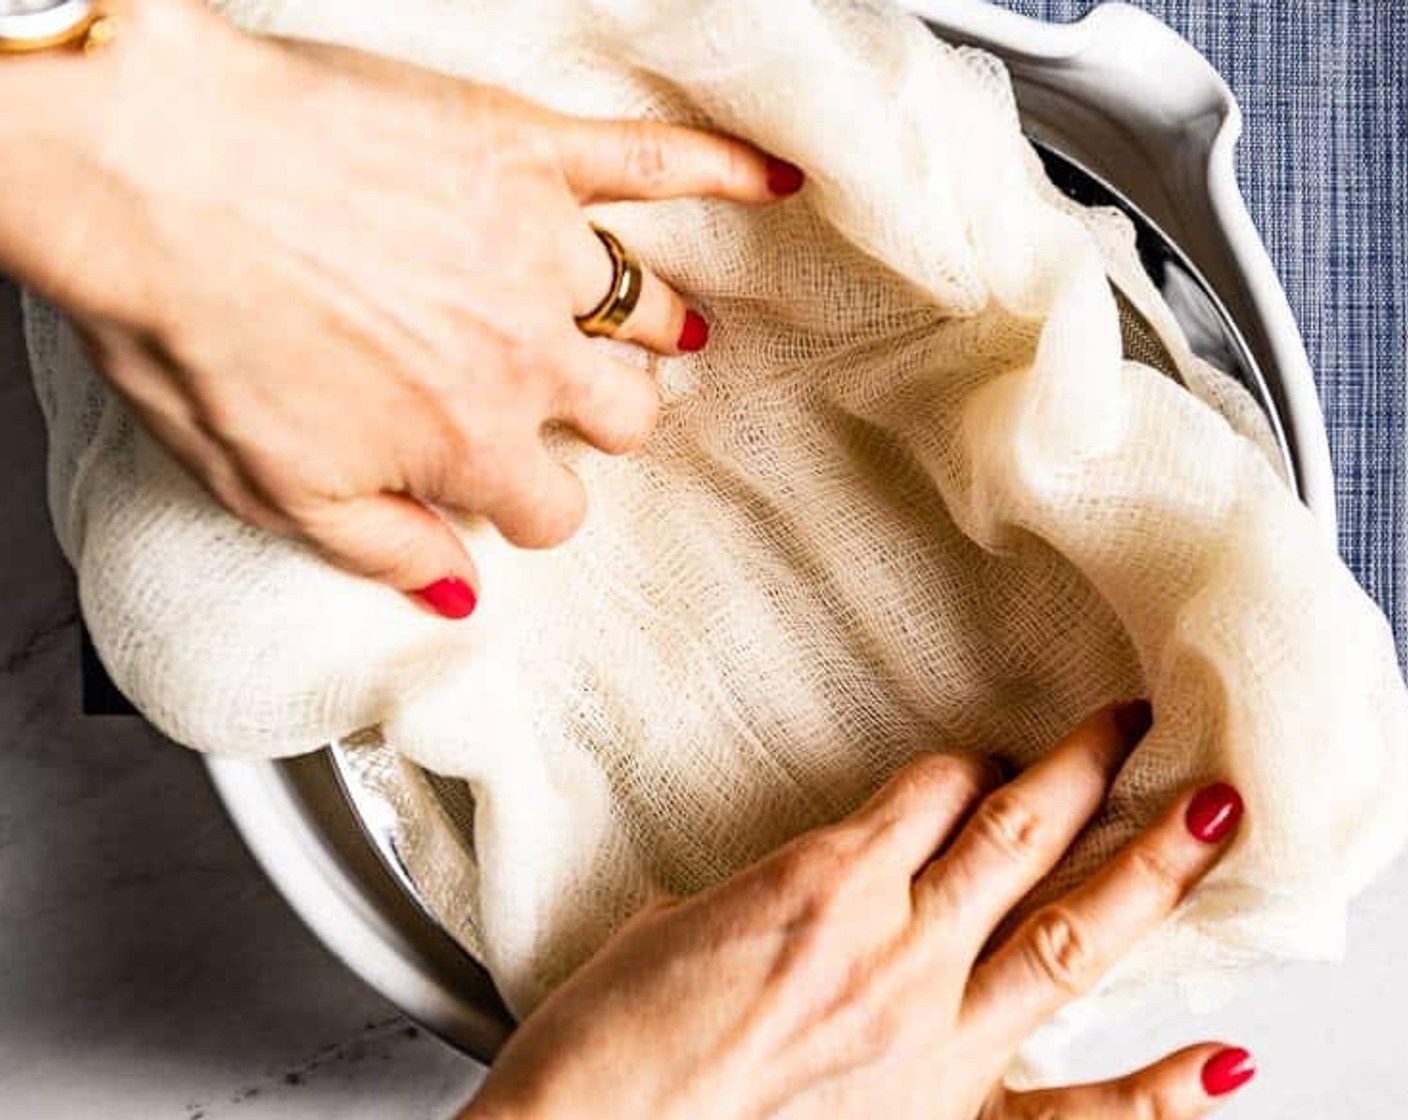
[(148, 971)]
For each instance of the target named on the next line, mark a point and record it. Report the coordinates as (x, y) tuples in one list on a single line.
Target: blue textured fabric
[(1323, 163)]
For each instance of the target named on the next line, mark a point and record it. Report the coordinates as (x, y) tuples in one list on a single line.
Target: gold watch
[(40, 25)]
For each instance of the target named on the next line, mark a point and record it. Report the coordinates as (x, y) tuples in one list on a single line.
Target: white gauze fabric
[(910, 498)]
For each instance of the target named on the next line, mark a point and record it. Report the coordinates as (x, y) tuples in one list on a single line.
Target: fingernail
[(695, 333), (1214, 812), (1227, 1071), (1134, 720), (449, 598), (784, 178)]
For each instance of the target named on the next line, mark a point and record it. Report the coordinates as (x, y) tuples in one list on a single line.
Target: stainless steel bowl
[(1125, 112)]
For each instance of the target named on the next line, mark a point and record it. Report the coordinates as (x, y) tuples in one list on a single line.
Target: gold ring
[(627, 279), (79, 25)]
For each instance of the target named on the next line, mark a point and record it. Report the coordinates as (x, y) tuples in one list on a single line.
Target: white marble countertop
[(149, 972)]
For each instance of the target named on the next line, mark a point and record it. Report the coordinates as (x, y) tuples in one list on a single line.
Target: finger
[(397, 541), (148, 382), (1017, 835), (660, 319), (390, 538), (908, 819), (211, 464), (611, 404), (610, 160), (543, 507), (1184, 1086), (1062, 950)]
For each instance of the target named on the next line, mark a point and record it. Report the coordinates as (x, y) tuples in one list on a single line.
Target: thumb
[(607, 161), (398, 541), (1183, 1086)]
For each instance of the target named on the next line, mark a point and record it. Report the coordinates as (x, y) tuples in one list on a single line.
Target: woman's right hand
[(870, 969), (337, 287)]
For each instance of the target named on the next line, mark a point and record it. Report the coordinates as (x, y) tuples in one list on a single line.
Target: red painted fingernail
[(784, 178), (1227, 1071), (1214, 812), (1134, 720), (695, 333), (449, 598)]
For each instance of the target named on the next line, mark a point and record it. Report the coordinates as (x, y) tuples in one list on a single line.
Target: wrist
[(76, 130)]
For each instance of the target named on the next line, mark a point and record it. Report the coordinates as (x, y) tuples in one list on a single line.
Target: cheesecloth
[(911, 498)]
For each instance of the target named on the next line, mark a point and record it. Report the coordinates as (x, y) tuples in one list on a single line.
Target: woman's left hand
[(856, 972)]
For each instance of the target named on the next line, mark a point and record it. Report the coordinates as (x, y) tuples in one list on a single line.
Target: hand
[(855, 972), (337, 287)]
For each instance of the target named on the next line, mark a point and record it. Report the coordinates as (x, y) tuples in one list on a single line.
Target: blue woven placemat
[(1323, 163)]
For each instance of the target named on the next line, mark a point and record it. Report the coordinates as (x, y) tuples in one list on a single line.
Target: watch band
[(38, 25)]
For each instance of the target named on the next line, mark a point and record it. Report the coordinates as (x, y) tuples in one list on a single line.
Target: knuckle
[(792, 872), (1009, 823), (1059, 951), (878, 1034), (544, 521), (966, 772), (580, 393), (826, 853), (955, 777), (615, 409), (646, 155), (814, 866), (273, 479), (360, 538), (632, 427), (560, 524), (452, 440), (1157, 877), (1141, 1101), (736, 168), (467, 474), (386, 563), (393, 554)]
